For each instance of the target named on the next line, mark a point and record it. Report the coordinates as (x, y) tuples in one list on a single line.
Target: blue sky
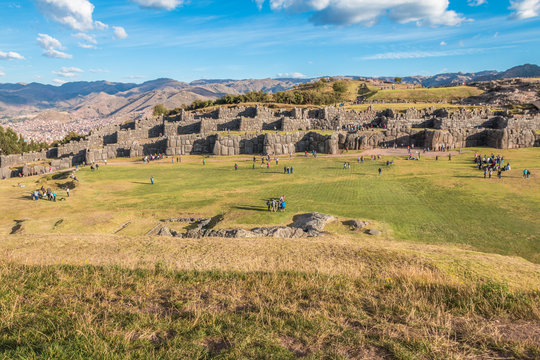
[(53, 41)]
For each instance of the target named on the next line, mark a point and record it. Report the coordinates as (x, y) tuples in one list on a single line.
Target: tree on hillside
[(71, 136), (398, 80), (160, 109), (11, 143), (340, 86)]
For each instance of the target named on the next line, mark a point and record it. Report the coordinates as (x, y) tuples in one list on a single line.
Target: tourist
[(67, 191), (204, 162), (380, 170), (235, 166), (291, 169), (152, 180)]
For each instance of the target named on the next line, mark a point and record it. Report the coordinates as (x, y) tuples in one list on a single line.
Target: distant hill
[(453, 79)]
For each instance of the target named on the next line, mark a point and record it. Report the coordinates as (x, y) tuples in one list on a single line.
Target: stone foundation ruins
[(260, 130)]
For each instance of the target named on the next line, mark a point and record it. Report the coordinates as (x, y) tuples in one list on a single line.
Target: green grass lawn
[(405, 106), (446, 94), (428, 201)]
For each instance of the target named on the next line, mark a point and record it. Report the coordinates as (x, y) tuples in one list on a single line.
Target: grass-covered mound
[(402, 308)]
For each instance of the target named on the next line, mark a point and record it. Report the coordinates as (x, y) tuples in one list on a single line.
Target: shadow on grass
[(251, 208), (140, 182)]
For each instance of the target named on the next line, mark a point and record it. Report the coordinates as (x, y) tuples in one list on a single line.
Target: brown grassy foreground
[(338, 297)]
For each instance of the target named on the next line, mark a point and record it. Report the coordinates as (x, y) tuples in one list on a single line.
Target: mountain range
[(80, 106)]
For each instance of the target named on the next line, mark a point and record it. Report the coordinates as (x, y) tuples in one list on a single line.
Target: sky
[(57, 41)]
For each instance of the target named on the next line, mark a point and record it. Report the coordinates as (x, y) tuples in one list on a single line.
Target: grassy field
[(405, 106), (454, 274), (433, 95), (436, 202)]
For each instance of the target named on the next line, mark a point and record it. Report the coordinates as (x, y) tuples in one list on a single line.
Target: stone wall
[(278, 144), (452, 128), (190, 144), (239, 144), (293, 124), (250, 124), (19, 159)]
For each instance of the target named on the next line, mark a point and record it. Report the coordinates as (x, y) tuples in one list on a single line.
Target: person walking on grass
[(204, 162), (152, 180), (235, 166), (380, 170), (67, 191)]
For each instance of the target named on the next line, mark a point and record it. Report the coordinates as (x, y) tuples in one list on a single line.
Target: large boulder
[(312, 221)]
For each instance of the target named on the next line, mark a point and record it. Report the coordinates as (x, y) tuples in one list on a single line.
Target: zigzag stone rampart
[(260, 130)]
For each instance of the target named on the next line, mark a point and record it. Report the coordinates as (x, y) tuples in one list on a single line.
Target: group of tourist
[(491, 164), (274, 204), (153, 157), (287, 169), (42, 194)]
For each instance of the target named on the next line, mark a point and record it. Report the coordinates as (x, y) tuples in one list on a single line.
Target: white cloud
[(68, 72), (86, 46), (294, 75), (368, 12), (426, 54), (100, 26), (443, 43), (88, 38), (76, 14), (134, 77), (120, 32), (525, 9), (11, 55), (50, 46), (2, 73), (477, 2), (160, 4), (59, 82), (98, 71)]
